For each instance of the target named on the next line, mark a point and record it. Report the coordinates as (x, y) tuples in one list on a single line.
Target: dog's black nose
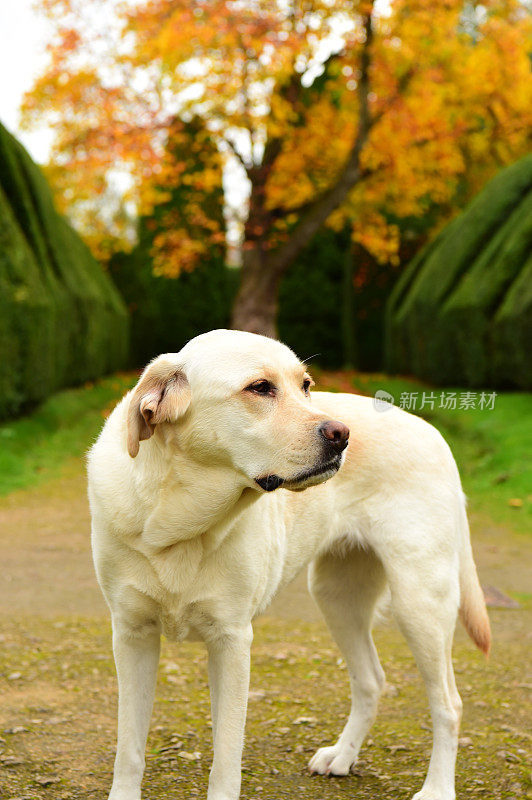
[(335, 433)]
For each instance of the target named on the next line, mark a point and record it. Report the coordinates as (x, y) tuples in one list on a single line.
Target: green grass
[(34, 448)]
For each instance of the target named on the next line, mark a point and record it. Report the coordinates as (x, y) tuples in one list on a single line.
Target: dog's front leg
[(136, 651), (229, 657)]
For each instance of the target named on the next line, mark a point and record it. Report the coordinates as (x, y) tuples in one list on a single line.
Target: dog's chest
[(179, 625), (196, 621), (228, 587)]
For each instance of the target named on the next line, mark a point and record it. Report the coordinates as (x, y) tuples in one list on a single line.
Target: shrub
[(62, 321), (461, 312)]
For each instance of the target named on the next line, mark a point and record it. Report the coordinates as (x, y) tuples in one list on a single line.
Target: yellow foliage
[(450, 89)]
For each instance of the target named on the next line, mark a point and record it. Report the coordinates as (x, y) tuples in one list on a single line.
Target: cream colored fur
[(187, 543)]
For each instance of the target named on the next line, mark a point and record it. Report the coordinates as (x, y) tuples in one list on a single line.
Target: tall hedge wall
[(462, 311), (61, 319)]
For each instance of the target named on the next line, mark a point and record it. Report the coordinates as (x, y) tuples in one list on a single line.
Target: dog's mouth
[(302, 480), (318, 474)]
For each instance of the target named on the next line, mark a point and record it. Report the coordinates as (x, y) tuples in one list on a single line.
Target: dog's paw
[(124, 793), (433, 794), (332, 761)]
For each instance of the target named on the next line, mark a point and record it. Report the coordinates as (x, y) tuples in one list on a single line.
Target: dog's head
[(240, 400)]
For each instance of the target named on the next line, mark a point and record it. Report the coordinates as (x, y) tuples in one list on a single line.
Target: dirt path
[(58, 713)]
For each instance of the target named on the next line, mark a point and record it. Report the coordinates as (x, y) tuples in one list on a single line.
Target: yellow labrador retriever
[(199, 517)]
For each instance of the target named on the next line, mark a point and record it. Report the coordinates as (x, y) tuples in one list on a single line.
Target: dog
[(215, 481)]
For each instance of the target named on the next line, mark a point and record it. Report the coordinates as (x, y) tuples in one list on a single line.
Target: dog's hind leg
[(346, 589), (425, 604)]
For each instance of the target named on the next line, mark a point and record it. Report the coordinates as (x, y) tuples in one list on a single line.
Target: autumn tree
[(336, 111), (166, 312)]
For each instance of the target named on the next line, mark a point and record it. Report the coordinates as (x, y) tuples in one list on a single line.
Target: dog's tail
[(473, 612)]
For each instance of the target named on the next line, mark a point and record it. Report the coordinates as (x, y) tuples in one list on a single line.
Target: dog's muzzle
[(334, 437)]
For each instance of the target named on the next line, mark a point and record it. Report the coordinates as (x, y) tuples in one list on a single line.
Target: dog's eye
[(264, 388), (307, 383)]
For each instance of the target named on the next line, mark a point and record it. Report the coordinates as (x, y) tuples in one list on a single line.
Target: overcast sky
[(23, 37)]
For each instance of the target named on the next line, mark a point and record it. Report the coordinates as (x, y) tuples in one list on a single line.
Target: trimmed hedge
[(332, 303), (462, 311), (61, 320)]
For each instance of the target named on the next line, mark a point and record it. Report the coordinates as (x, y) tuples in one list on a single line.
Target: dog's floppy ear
[(161, 395)]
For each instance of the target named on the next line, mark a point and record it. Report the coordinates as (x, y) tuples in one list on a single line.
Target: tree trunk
[(256, 304)]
